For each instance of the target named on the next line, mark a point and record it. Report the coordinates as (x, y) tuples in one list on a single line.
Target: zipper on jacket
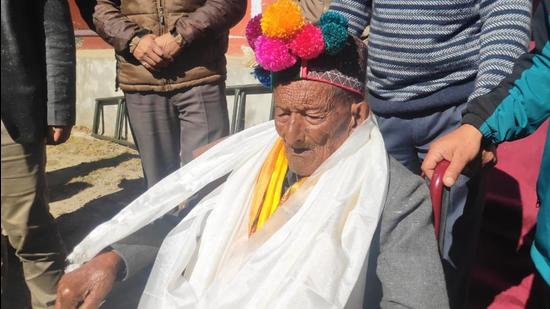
[(160, 9)]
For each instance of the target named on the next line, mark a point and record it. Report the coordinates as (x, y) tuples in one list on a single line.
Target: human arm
[(512, 110), (358, 12), (89, 285), (504, 36), (60, 70), (125, 258), (408, 265), (119, 31), (113, 26), (212, 18), (523, 109)]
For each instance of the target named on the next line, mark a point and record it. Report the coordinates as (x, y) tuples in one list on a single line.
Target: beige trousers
[(26, 220)]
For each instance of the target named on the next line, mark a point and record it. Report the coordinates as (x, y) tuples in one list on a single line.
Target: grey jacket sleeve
[(408, 265), (60, 63), (140, 249)]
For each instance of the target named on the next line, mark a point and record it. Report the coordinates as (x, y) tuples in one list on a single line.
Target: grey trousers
[(408, 138), (167, 127), (27, 222)]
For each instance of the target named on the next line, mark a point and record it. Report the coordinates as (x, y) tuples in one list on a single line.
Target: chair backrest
[(440, 200)]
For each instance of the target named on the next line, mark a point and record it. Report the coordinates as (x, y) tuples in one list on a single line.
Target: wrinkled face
[(314, 120)]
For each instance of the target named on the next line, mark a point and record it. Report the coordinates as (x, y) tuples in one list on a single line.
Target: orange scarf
[(269, 186)]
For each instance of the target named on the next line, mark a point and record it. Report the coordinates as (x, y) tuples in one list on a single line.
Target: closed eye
[(314, 118), (282, 115)]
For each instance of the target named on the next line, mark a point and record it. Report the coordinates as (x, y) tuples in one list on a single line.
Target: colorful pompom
[(331, 17), (335, 37), (308, 43), (282, 19), (253, 30), (273, 54), (263, 76)]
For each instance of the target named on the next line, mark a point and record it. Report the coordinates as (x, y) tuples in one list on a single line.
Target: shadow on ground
[(73, 226), (58, 180), (76, 225)]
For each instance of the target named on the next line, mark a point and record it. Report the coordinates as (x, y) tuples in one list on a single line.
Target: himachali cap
[(289, 48)]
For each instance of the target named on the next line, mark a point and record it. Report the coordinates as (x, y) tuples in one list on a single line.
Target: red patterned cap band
[(346, 70)]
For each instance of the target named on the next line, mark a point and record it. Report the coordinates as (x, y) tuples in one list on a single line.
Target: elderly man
[(310, 213)]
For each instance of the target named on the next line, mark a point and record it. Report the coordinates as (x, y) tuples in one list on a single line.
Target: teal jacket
[(515, 109)]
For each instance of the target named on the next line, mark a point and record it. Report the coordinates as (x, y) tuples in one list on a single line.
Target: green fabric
[(540, 252), (525, 108)]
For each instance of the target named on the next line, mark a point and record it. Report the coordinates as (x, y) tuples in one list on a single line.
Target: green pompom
[(335, 37), (331, 17)]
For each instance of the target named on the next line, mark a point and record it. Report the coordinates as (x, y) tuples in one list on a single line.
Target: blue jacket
[(515, 109)]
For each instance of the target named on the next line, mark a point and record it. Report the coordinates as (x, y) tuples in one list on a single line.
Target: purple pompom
[(253, 30)]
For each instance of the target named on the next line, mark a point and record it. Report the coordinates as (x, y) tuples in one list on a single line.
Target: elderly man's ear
[(359, 112)]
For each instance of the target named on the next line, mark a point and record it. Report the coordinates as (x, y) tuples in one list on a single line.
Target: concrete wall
[(257, 106), (95, 78)]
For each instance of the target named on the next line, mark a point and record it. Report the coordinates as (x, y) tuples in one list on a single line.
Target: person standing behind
[(171, 67), (515, 109), (38, 107), (426, 60)]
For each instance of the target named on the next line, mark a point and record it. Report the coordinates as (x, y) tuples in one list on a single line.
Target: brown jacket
[(203, 24), (312, 9)]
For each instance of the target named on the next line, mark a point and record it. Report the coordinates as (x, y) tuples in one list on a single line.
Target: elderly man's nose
[(295, 130)]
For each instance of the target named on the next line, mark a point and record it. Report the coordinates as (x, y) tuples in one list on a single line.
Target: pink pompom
[(273, 54), (308, 43), (253, 30)]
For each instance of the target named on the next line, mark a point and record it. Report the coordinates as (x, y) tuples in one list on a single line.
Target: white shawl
[(310, 253)]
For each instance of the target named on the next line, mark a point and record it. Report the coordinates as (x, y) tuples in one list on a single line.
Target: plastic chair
[(440, 201)]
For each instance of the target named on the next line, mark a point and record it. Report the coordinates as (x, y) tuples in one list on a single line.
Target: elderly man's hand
[(459, 147), (88, 286), (169, 46), (149, 53), (58, 134)]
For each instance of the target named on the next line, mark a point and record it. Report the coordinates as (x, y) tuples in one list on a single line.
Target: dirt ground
[(85, 169), (89, 181)]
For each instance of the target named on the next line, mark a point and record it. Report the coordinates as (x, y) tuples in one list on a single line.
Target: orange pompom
[(282, 19)]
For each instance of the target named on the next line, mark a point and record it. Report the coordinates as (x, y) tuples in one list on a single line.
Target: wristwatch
[(177, 36)]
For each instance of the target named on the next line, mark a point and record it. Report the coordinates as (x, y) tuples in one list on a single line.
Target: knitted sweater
[(425, 54)]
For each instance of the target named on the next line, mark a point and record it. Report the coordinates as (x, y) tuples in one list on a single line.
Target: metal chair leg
[(236, 101), (95, 124), (118, 121), (241, 111)]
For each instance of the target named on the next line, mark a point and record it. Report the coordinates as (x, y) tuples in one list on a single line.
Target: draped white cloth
[(310, 253)]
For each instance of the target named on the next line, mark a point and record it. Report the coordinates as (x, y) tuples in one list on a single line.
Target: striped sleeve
[(358, 12), (526, 106), (504, 37), (521, 102)]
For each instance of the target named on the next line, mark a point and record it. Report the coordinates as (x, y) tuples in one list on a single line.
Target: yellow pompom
[(282, 19)]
